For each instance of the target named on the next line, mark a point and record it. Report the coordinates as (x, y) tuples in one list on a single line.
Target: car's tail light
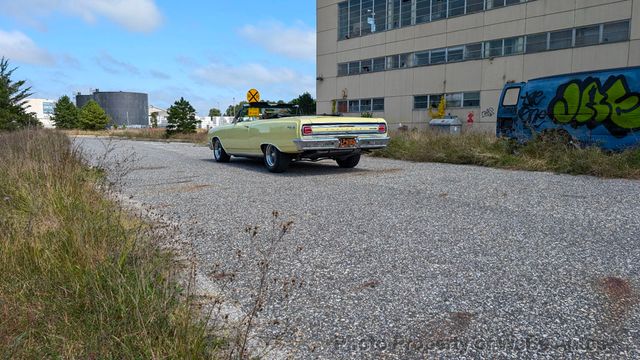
[(382, 128), (307, 130)]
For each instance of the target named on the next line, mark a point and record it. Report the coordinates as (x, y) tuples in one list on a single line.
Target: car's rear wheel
[(349, 162), (218, 152), (275, 160)]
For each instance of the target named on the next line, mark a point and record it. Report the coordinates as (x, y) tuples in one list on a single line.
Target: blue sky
[(206, 51)]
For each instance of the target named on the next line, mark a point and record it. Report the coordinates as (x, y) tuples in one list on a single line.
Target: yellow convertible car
[(276, 133)]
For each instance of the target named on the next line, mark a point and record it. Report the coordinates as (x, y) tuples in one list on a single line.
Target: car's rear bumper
[(334, 143)]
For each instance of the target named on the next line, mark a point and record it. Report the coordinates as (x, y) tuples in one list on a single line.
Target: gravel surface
[(408, 260)]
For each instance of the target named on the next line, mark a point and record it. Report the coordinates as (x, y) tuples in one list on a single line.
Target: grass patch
[(80, 277), (485, 150), (199, 137)]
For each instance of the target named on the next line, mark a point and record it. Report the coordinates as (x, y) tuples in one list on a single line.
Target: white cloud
[(248, 75), (297, 42), (17, 46), (114, 66), (135, 15)]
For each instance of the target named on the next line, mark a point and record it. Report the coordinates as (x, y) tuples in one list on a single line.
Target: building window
[(378, 64), (456, 7), (378, 104), (589, 35), (514, 46), (615, 32), (537, 43), (393, 18), (474, 6), (455, 54), (354, 18), (365, 66), (405, 13), (422, 58), (354, 106), (365, 105), (422, 11), (492, 4), (421, 102), (368, 23), (343, 69), (380, 15), (354, 68), (471, 99), (473, 52), (363, 17), (454, 100), (393, 61), (438, 56), (493, 48), (405, 60), (560, 39), (343, 20), (360, 105), (438, 9), (434, 100)]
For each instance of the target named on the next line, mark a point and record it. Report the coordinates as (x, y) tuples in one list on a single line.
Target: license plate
[(348, 142)]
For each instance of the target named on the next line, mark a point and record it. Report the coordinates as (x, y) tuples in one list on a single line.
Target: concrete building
[(124, 108), (161, 116), (209, 122), (396, 58), (43, 108)]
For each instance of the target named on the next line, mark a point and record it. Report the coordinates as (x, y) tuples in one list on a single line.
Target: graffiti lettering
[(590, 102), (488, 112), (470, 118), (530, 111)]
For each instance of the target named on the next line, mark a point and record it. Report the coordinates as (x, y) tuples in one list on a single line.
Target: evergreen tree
[(213, 112), (65, 114), (12, 100), (307, 104), (93, 117), (233, 110), (154, 119), (181, 118)]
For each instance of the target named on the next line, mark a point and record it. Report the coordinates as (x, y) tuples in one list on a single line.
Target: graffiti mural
[(489, 112), (530, 112), (589, 102)]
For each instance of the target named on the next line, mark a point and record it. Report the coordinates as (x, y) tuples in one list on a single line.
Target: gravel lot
[(407, 260)]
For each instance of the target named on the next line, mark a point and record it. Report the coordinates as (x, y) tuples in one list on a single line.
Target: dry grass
[(537, 155), (80, 278), (199, 137)]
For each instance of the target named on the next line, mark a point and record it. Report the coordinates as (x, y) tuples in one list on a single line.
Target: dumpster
[(448, 125)]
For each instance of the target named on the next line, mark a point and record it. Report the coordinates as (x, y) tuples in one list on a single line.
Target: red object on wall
[(470, 118)]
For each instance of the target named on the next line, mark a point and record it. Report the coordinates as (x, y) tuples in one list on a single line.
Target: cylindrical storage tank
[(123, 108)]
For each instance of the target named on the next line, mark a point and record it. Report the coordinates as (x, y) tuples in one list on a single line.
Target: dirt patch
[(377, 172), (367, 285), (189, 188), (144, 168), (621, 300), (453, 325), (621, 295)]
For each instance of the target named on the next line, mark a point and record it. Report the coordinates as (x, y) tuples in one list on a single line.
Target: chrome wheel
[(271, 155), (275, 160), (219, 154), (217, 150)]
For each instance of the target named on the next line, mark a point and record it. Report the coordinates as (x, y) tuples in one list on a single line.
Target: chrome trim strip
[(334, 144)]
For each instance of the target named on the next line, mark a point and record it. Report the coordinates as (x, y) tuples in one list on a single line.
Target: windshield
[(264, 111)]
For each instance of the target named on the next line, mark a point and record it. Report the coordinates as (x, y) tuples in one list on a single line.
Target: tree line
[(306, 102), (181, 115)]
